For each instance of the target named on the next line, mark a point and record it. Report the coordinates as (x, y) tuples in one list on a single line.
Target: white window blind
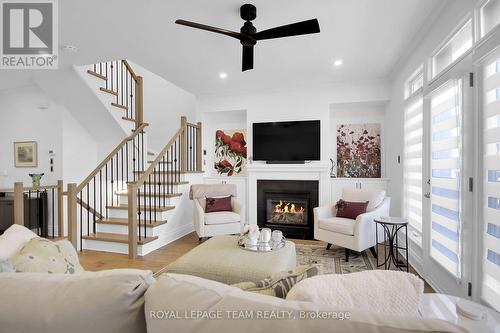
[(491, 184), (489, 16), (458, 44), (413, 162), (445, 131)]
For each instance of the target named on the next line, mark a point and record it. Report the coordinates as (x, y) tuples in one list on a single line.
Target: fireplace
[(287, 205)]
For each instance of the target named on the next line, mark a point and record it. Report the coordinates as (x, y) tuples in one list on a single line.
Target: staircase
[(125, 204)]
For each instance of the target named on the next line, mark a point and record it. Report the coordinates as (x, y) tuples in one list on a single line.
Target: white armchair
[(216, 223), (359, 234)]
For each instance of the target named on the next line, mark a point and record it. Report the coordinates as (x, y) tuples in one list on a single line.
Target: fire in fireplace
[(283, 212)]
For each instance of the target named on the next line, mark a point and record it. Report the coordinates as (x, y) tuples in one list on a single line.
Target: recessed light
[(338, 62), (223, 75)]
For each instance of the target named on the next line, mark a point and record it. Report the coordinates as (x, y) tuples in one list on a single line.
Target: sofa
[(132, 301)]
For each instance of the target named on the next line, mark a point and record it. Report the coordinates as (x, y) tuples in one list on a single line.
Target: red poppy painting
[(230, 152), (358, 151)]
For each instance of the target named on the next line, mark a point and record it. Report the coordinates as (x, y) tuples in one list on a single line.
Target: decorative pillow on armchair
[(350, 210), (40, 255), (222, 204), (279, 284)]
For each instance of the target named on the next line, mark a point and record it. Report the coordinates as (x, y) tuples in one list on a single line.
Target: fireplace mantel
[(308, 171)]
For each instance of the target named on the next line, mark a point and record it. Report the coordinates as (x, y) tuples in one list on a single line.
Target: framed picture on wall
[(230, 152), (26, 154)]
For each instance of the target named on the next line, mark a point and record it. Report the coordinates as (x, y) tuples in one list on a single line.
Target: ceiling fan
[(248, 35)]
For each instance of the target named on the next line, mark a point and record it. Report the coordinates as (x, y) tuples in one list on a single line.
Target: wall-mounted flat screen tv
[(289, 141)]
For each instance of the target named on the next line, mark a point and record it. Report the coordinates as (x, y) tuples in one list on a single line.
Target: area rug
[(332, 261)]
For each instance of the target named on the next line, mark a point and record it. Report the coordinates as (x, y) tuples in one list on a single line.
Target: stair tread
[(109, 91), (128, 119), (153, 194), (116, 238), (119, 106), (166, 183), (147, 207), (97, 75), (118, 221)]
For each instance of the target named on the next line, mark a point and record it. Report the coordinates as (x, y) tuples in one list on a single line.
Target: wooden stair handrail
[(129, 68), (86, 181), (144, 177)]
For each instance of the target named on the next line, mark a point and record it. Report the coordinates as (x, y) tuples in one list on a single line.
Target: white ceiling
[(369, 35)]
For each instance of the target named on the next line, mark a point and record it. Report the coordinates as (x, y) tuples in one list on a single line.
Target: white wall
[(310, 103), (22, 119), (435, 33), (164, 104)]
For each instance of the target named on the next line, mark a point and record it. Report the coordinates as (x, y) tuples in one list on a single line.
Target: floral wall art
[(230, 152), (358, 151)]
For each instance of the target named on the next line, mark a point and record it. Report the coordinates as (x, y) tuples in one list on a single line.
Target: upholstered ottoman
[(220, 259)]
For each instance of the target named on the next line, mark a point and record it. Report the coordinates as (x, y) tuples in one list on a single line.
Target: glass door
[(448, 204)]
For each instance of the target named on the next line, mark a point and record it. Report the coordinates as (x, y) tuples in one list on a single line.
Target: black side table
[(391, 226)]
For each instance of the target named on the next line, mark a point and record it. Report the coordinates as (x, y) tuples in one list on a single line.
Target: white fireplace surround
[(308, 171)]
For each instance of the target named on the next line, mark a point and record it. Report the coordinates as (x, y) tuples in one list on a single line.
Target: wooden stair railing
[(89, 200), (150, 192), (121, 81), (48, 207)]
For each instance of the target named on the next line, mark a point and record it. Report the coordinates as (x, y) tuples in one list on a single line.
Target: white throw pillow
[(384, 292), (374, 197), (13, 239)]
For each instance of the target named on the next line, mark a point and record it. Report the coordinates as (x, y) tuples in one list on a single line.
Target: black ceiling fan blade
[(226, 32), (247, 58), (294, 29)]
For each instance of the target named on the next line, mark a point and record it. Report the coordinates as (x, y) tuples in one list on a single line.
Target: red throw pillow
[(218, 205), (350, 210)]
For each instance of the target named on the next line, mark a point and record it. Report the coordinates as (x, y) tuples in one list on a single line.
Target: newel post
[(19, 203), (60, 208), (72, 215), (139, 102), (132, 220), (184, 146), (199, 148)]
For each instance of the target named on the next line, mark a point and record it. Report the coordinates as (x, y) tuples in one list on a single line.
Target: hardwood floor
[(97, 261)]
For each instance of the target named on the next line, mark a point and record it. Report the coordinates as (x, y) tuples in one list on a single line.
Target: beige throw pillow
[(40, 255)]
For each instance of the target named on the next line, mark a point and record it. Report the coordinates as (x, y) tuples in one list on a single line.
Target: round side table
[(391, 227)]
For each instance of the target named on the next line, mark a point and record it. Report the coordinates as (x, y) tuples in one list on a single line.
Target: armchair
[(359, 234), (216, 223)]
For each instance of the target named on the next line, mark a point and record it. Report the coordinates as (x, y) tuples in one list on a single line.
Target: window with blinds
[(491, 184), (445, 129), (413, 163)]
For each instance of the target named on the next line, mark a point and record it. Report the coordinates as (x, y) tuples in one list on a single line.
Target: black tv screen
[(290, 141)]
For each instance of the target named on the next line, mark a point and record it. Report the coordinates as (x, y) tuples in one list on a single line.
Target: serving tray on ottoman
[(221, 259)]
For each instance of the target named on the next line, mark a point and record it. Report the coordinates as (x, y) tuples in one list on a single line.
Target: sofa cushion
[(279, 284), (177, 303), (350, 210), (13, 240), (222, 204), (341, 225), (221, 218), (383, 292), (40, 255), (105, 302), (374, 197)]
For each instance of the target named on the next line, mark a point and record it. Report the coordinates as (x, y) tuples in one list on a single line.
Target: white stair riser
[(123, 214), (113, 247), (120, 229)]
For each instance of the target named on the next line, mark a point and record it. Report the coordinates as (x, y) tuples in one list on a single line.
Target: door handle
[(427, 195)]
